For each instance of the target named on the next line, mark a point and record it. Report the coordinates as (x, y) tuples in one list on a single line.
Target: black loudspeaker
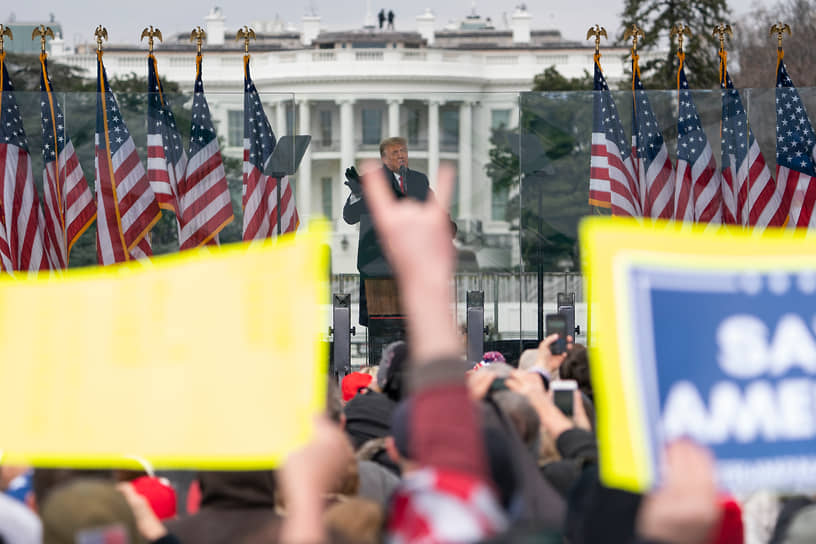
[(341, 332), (475, 326), (566, 307)]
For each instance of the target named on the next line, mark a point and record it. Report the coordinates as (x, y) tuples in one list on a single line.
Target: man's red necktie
[(402, 185)]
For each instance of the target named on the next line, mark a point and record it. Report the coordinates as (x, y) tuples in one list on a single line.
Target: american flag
[(126, 205), (21, 240), (5, 253), (655, 172), (166, 159), (698, 196), (751, 197), (204, 197), (613, 181), (260, 198), (795, 142), (68, 201)]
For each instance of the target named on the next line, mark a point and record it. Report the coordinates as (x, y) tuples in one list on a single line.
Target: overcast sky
[(125, 19)]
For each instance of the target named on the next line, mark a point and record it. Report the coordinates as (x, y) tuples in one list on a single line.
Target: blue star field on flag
[(49, 153), (256, 126), (117, 129), (734, 126), (11, 122), (160, 117), (691, 138), (202, 131), (606, 117), (795, 138)]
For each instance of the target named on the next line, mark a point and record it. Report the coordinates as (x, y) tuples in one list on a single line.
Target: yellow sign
[(666, 304), (207, 358)]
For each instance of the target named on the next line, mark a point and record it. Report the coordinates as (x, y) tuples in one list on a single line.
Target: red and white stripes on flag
[(654, 167), (21, 240), (751, 197), (260, 192), (795, 141), (698, 192), (166, 159), (69, 207), (5, 253), (613, 182), (204, 198), (126, 205)]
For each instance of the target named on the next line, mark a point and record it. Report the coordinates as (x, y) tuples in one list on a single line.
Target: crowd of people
[(426, 447)]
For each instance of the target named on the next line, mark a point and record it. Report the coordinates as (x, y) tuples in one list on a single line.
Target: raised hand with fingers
[(416, 239)]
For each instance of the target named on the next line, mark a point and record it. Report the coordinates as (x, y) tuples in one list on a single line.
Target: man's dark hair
[(576, 367), (395, 377)]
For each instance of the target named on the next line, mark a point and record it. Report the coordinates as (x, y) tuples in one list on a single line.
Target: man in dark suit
[(406, 183)]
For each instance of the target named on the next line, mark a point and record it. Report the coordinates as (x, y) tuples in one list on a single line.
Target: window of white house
[(499, 119), (372, 126), (325, 127), (449, 121), (235, 128)]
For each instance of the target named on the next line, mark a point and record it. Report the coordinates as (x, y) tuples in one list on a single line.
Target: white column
[(280, 119), (346, 156), (465, 160), (394, 117), (304, 175), (433, 141)]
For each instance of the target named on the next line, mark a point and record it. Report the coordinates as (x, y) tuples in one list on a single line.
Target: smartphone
[(563, 395), (557, 323)]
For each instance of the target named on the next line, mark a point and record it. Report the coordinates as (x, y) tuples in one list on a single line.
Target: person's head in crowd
[(523, 416), (228, 488), (394, 153), (46, 480), (88, 508), (515, 406), (499, 460), (354, 383), (235, 506), (392, 368), (354, 520), (576, 367), (528, 359), (398, 442)]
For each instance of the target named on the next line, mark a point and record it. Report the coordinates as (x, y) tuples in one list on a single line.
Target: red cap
[(352, 384), (159, 494)]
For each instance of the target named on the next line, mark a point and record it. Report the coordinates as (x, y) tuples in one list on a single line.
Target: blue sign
[(728, 358)]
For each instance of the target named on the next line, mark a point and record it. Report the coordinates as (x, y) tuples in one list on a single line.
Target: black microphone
[(403, 174)]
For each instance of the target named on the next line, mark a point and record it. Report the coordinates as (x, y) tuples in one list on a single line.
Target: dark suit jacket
[(370, 259)]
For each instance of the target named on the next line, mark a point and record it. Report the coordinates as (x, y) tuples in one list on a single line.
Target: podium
[(386, 323)]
